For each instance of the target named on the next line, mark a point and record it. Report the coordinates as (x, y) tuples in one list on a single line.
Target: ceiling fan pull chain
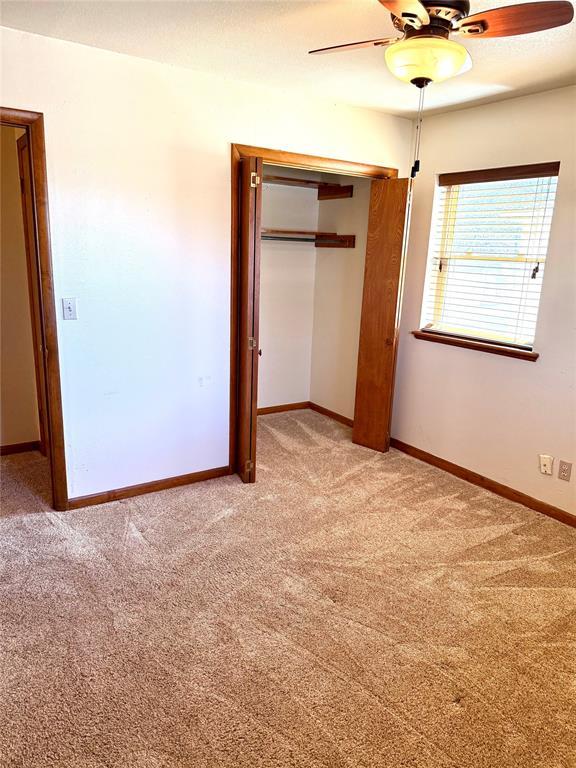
[(416, 163)]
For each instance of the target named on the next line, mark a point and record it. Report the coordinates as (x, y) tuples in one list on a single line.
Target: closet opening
[(317, 271), (313, 243)]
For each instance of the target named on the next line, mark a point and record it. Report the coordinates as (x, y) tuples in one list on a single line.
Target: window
[(487, 255)]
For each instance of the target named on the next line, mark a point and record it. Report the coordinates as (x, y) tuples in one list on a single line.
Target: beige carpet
[(349, 610)]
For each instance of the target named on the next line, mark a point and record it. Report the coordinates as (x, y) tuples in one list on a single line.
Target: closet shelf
[(320, 239), (326, 191)]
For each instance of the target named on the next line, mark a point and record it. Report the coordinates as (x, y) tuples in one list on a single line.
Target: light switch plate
[(69, 309)]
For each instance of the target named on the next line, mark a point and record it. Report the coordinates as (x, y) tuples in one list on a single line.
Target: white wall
[(286, 295), (18, 402), (138, 158), (494, 414), (338, 300)]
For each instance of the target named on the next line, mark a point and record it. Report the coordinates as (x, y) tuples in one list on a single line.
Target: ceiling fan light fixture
[(427, 58)]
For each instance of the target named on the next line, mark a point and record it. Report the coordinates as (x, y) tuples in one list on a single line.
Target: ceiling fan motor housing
[(443, 16)]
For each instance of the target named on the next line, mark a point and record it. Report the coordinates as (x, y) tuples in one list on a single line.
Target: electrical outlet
[(546, 463), (564, 470)]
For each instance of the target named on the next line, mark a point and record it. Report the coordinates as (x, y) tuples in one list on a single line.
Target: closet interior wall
[(338, 285), (287, 272), (311, 298)]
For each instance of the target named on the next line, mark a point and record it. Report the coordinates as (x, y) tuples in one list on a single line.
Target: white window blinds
[(487, 253)]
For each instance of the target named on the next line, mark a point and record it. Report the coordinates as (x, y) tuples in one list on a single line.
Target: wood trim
[(286, 407), (313, 163), (152, 487), (481, 346), (332, 414), (485, 482), (25, 171), (248, 317), (33, 445), (306, 405), (508, 173), (234, 306), (33, 122), (18, 118)]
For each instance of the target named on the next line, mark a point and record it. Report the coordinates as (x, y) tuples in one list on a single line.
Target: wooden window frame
[(480, 346), (504, 173)]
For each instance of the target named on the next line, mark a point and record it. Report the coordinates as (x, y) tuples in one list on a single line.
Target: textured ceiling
[(267, 42)]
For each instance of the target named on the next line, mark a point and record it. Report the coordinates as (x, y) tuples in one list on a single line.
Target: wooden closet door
[(249, 300), (380, 313)]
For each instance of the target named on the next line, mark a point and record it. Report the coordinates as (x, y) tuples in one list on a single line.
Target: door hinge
[(249, 466), (254, 179), (252, 343)]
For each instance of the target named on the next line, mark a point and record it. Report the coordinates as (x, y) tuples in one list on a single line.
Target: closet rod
[(320, 239), (288, 239)]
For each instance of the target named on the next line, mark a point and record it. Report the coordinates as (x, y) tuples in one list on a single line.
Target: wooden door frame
[(248, 316), (25, 170), (33, 124), (289, 159)]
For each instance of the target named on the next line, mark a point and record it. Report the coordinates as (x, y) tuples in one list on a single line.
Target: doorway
[(376, 330), (32, 398)]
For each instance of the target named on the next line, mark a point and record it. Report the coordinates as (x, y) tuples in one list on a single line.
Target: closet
[(317, 262), (313, 246)]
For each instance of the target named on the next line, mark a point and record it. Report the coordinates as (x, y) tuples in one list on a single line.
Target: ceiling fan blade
[(409, 10), (517, 19), (363, 44)]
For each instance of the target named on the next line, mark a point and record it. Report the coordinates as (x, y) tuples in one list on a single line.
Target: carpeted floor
[(349, 610)]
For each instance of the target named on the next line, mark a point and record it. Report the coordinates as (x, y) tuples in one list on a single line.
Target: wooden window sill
[(481, 346)]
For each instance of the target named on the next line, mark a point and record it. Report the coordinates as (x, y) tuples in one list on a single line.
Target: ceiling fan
[(425, 54)]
